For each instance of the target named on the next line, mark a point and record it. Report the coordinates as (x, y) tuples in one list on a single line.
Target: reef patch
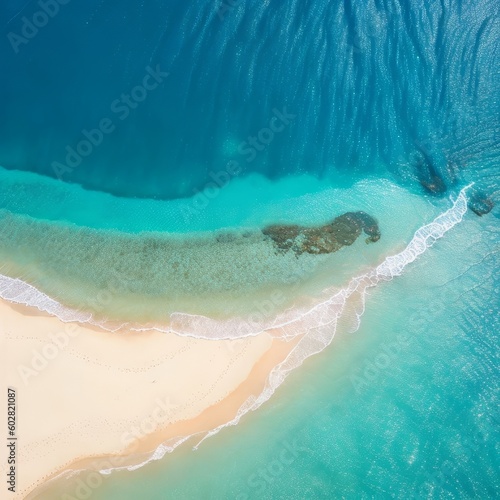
[(479, 203), (342, 231)]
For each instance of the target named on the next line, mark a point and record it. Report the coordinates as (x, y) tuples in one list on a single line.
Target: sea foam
[(286, 324), (318, 325), (322, 320), (315, 326)]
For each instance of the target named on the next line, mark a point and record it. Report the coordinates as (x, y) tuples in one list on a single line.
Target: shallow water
[(406, 407), (408, 87), (289, 113), (147, 276)]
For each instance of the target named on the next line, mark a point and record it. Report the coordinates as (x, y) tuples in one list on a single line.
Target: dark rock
[(283, 235), (479, 203), (428, 175), (225, 237), (370, 226), (342, 231), (435, 185)]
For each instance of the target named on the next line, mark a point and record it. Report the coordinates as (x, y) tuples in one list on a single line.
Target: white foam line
[(159, 453), (202, 327), (317, 337)]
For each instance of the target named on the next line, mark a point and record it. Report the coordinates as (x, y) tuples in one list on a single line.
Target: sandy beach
[(249, 250), (83, 394)]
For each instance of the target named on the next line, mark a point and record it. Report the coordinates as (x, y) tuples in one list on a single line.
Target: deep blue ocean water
[(374, 87), (177, 117)]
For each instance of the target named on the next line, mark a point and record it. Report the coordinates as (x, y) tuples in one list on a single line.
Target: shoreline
[(96, 355), (205, 383), (182, 433), (136, 278)]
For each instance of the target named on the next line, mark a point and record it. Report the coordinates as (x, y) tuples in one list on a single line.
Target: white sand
[(100, 393)]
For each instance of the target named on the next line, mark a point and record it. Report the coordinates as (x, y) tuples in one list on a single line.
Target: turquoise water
[(122, 209), (422, 424), (406, 407), (71, 251), (372, 86)]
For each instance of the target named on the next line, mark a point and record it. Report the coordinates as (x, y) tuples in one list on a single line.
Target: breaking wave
[(287, 325), (315, 327), (320, 323)]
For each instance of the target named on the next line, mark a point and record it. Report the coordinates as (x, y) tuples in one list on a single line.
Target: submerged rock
[(434, 185), (479, 203), (428, 168), (342, 231), (429, 179)]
